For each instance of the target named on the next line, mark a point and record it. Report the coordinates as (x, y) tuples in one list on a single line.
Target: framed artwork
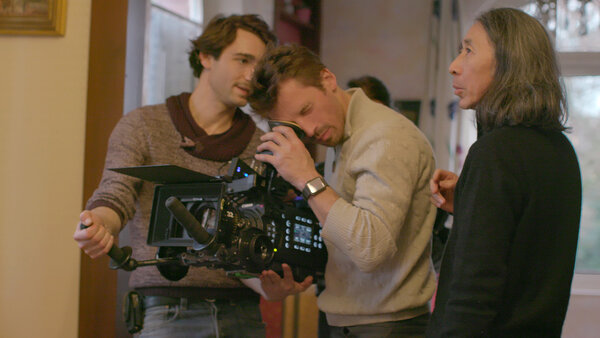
[(33, 17), (410, 109)]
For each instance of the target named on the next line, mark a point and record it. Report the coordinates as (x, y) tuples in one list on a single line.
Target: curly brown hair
[(221, 31), (280, 64)]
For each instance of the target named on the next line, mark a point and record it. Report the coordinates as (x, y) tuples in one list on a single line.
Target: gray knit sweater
[(147, 136)]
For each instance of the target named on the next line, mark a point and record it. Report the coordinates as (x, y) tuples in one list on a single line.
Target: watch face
[(313, 187)]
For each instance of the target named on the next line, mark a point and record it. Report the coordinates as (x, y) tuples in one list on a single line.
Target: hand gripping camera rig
[(238, 222)]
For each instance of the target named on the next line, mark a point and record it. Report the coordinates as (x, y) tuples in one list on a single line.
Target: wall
[(264, 8), (388, 41), (584, 306), (42, 117)]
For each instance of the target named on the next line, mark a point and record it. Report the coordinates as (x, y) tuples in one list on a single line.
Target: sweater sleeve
[(488, 201), (388, 169), (126, 148)]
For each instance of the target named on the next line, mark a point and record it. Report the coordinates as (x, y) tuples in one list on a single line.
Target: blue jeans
[(413, 328), (222, 318)]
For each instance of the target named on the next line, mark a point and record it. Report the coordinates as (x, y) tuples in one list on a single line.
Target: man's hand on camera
[(276, 288), (94, 239), (290, 157)]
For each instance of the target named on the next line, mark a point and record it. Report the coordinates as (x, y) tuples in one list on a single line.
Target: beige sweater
[(378, 233)]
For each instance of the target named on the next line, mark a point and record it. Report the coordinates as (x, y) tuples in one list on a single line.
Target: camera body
[(241, 222)]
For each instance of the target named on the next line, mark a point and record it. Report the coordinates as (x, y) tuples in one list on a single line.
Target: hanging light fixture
[(547, 14), (584, 13), (571, 20), (583, 20)]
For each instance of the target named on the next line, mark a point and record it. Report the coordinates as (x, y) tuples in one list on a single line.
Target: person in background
[(372, 203), (373, 88), (509, 261), (201, 131)]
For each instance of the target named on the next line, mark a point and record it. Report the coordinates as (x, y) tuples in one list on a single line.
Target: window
[(576, 25), (171, 26), (583, 94)]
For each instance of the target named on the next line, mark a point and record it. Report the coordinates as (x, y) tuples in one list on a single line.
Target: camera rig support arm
[(121, 257), (191, 225)]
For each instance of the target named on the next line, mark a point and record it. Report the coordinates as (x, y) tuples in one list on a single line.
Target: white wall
[(383, 38), (264, 8), (43, 86)]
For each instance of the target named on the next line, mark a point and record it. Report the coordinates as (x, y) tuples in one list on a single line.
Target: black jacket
[(509, 262)]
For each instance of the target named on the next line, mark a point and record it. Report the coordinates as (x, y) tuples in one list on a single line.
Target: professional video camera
[(239, 222)]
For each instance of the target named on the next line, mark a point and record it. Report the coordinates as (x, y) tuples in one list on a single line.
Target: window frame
[(582, 64), (579, 63)]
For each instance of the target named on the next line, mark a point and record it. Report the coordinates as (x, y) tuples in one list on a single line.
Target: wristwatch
[(313, 187)]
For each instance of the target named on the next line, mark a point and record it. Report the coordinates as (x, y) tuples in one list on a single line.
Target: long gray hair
[(526, 89)]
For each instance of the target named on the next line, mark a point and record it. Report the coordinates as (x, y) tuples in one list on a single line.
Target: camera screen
[(302, 234)]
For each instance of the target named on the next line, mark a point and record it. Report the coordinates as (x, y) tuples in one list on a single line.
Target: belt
[(151, 301), (157, 297)]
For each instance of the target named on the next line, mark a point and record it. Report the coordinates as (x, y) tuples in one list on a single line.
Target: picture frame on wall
[(409, 108), (33, 17)]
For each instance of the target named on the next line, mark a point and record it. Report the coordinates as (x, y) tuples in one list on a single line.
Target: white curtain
[(450, 130)]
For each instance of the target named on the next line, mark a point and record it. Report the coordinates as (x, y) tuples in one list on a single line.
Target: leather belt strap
[(157, 297), (151, 301)]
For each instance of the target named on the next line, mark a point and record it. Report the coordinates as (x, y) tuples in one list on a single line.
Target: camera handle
[(270, 172), (120, 257), (295, 127), (191, 225)]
